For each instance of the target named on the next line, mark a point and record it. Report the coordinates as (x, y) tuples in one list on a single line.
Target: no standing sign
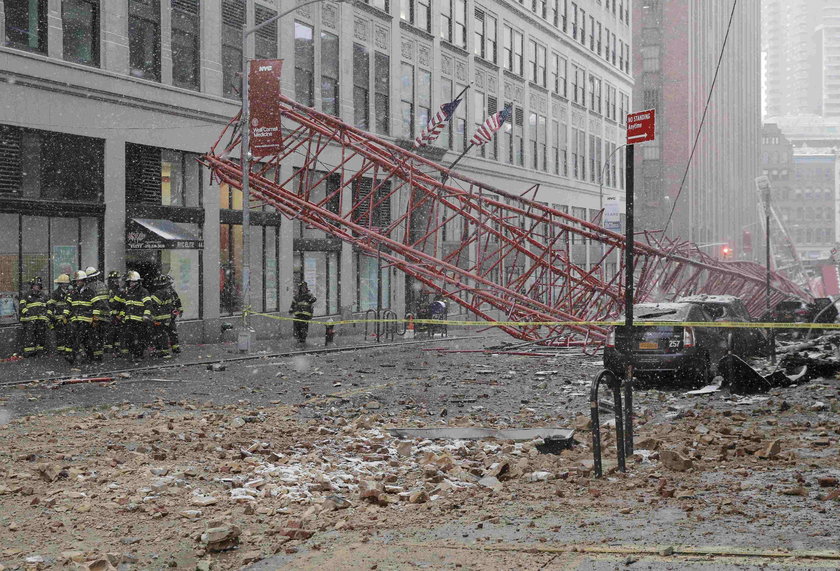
[(641, 126)]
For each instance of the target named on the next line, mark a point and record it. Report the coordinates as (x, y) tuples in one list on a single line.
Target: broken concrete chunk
[(221, 538), (490, 482), (675, 461), (771, 451)]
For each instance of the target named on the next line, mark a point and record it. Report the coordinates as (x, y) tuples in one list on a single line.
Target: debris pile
[(159, 486)]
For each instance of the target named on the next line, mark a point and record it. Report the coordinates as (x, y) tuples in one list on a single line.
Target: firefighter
[(101, 311), (34, 315), (79, 313), (168, 309), (160, 316), (136, 314), (56, 306), (301, 309), (114, 331)]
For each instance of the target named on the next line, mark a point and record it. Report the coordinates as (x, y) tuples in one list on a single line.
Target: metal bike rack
[(375, 319), (623, 419), (390, 323)]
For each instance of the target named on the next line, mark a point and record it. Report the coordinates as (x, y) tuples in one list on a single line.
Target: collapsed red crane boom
[(502, 256)]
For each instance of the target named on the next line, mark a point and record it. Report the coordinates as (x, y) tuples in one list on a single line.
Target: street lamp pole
[(245, 163), (601, 203)]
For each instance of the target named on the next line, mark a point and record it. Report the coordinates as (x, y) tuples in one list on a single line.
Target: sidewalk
[(51, 366)]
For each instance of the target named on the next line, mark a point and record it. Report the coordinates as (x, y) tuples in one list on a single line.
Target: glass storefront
[(45, 247)]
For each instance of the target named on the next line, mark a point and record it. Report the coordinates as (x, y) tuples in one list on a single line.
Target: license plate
[(648, 345)]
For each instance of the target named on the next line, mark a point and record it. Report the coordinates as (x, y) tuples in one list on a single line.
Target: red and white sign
[(641, 126), (263, 92)]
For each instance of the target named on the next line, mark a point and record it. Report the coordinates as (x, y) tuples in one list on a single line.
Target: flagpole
[(455, 162)]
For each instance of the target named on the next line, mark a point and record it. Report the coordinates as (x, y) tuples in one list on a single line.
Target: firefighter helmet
[(166, 279), (36, 281), (62, 279), (113, 275), (91, 272), (80, 275), (132, 277)]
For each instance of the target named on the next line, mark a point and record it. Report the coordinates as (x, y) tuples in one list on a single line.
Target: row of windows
[(26, 28)]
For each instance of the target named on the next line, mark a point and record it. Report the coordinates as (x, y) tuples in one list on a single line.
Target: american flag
[(494, 122), (436, 124)]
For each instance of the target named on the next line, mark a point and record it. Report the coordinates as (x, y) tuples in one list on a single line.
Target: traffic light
[(726, 252)]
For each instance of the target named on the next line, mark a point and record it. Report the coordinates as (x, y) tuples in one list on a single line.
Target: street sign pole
[(641, 127)]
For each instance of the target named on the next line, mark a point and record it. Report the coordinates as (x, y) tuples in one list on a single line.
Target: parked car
[(746, 342), (686, 354), (821, 310)]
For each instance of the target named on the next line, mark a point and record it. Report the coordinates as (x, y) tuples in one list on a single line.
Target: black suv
[(684, 353)]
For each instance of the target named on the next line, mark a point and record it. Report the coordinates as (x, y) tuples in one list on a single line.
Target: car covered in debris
[(745, 342), (821, 310), (685, 353)]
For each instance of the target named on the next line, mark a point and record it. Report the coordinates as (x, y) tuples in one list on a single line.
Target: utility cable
[(703, 118)]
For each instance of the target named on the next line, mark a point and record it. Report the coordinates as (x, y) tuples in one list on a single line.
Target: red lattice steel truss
[(502, 256)]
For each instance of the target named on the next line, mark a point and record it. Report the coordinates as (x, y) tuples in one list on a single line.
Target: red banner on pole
[(264, 108)]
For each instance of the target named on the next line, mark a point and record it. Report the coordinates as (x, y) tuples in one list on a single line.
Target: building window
[(407, 100), (161, 177), (538, 7), (578, 86), (186, 34), (460, 122), (485, 36), (265, 39), (26, 25), (538, 134), (383, 5), (595, 94), (518, 136), (574, 21), (537, 70), (578, 154), (599, 43), (606, 44), (418, 13), (361, 87), (612, 53), (583, 26), (491, 148), (233, 22), (650, 58), (559, 70), (230, 268), (329, 74), (554, 16), (564, 15), (479, 116), (446, 95), (382, 93), (561, 151), (144, 38), (304, 64), (591, 33), (424, 98), (80, 22), (624, 107), (513, 48), (51, 166), (453, 22)]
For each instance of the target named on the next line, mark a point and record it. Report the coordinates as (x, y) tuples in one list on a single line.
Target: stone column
[(114, 16), (211, 47), (166, 43), (114, 226), (210, 257), (55, 30)]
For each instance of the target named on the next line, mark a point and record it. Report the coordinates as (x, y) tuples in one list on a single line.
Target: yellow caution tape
[(706, 324)]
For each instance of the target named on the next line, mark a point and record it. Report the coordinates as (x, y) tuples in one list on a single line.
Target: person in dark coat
[(114, 330), (302, 307), (34, 315), (56, 306), (136, 315)]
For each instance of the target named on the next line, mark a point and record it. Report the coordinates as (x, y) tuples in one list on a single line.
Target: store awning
[(154, 234)]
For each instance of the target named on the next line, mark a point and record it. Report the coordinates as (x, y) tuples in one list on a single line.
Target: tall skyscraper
[(678, 46)]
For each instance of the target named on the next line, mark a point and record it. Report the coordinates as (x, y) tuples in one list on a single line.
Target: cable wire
[(703, 118)]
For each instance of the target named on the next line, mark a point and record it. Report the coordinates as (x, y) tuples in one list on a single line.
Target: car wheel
[(700, 374)]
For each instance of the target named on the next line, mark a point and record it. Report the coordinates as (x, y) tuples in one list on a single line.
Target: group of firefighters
[(90, 317)]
